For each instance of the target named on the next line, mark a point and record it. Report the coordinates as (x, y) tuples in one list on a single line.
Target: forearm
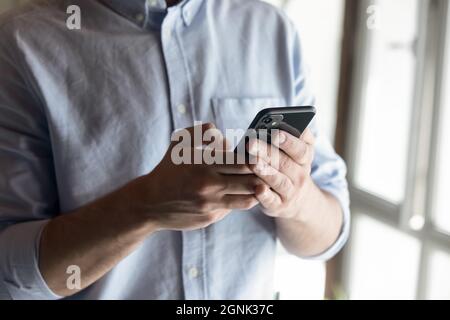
[(316, 225), (94, 238)]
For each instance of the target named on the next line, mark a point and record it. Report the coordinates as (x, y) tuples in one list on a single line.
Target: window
[(438, 286), (398, 152), (387, 103), (385, 261)]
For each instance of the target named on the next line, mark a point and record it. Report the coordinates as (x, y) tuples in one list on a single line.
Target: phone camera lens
[(267, 120)]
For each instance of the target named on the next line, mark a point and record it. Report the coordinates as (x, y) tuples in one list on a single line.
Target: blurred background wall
[(381, 74)]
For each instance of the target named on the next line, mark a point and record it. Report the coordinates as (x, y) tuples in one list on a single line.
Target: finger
[(226, 157), (270, 154), (239, 202), (308, 136), (240, 184), (259, 149), (267, 198), (232, 169), (276, 180), (294, 147), (308, 158)]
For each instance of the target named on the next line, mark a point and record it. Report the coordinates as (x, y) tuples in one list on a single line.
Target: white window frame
[(421, 171)]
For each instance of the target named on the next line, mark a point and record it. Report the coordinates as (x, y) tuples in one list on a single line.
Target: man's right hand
[(99, 235), (192, 196)]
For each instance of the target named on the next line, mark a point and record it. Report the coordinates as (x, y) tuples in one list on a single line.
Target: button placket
[(179, 88), (177, 76)]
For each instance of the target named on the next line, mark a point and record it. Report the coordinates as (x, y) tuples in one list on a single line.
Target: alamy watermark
[(73, 282), (207, 147), (73, 21)]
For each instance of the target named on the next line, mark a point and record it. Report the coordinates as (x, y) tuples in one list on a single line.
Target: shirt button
[(193, 273), (181, 109)]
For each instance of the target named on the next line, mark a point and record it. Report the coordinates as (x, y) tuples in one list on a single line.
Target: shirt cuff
[(343, 199), (19, 268)]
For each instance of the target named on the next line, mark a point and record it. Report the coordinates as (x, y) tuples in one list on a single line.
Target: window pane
[(297, 279), (387, 102), (384, 262), (442, 208), (439, 276)]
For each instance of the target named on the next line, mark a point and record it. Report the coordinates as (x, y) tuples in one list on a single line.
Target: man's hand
[(308, 219), (99, 235), (192, 196), (288, 180)]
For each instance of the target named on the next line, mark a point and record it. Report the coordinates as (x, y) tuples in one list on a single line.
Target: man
[(87, 180)]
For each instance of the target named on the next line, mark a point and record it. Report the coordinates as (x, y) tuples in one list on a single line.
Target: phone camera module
[(267, 120)]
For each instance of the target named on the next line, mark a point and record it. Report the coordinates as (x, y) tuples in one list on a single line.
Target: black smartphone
[(293, 120)]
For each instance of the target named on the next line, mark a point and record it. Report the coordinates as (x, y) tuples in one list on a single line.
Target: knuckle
[(267, 198), (278, 184), (253, 182), (285, 162), (302, 149), (284, 184), (203, 204), (251, 203), (210, 217), (272, 202), (203, 186), (247, 203), (288, 143), (303, 175), (225, 185)]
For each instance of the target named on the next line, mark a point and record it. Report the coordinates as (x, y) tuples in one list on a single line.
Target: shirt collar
[(149, 12)]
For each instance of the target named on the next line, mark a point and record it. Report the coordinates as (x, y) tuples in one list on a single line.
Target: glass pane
[(386, 105), (384, 262), (297, 279), (439, 275), (442, 208)]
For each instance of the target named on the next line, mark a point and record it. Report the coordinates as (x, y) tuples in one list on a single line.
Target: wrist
[(126, 208), (310, 200)]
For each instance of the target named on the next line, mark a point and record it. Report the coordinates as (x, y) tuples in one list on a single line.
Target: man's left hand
[(285, 167)]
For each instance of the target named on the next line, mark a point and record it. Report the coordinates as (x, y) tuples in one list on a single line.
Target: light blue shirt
[(83, 112)]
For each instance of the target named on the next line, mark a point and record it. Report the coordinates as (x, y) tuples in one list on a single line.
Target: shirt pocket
[(234, 115)]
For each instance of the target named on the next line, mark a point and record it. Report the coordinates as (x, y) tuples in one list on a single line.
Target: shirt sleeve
[(28, 194), (328, 169)]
